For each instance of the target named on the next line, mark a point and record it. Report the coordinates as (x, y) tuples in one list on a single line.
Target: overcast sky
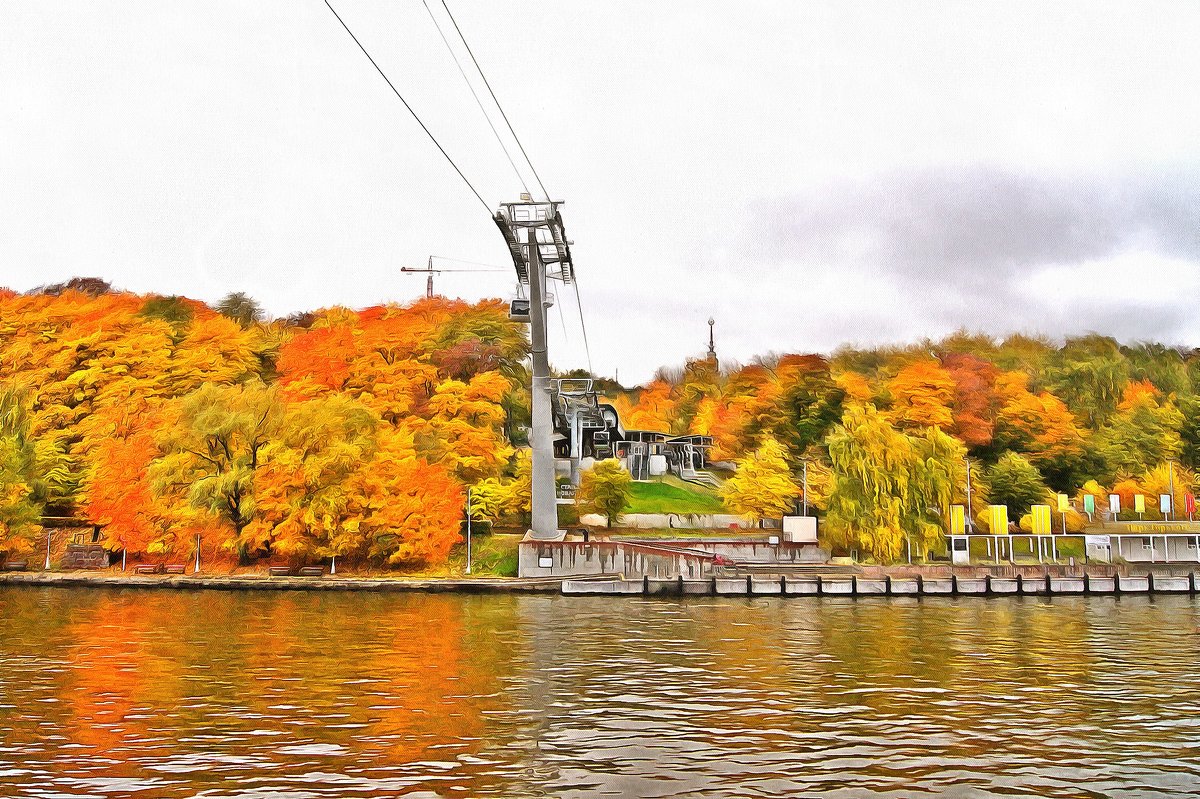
[(807, 173)]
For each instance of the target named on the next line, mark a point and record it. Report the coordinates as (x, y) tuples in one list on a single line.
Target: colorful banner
[(1164, 503), (1139, 503), (1189, 502), (1089, 504), (998, 519), (1041, 519), (1064, 503), (958, 520)]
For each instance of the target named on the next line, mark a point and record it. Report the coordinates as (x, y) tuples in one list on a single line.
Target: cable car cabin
[(518, 311)]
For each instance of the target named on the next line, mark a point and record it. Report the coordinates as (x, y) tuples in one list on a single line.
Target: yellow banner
[(958, 520), (998, 519), (1139, 503), (1041, 519), (1064, 503)]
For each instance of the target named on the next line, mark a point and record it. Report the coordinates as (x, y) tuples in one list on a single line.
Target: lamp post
[(468, 530), (970, 514)]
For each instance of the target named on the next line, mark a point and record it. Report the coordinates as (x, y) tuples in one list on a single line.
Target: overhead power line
[(396, 92), (478, 102), (516, 138), (582, 326)]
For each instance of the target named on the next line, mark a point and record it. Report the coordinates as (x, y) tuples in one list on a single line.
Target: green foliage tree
[(809, 403), (1017, 483), (605, 489), (889, 487), (19, 510), (241, 308), (1189, 431), (762, 486), (213, 450), (1142, 434)]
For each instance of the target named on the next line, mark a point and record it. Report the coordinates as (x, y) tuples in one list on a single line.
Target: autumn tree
[(762, 485), (922, 394), (975, 403), (605, 489)]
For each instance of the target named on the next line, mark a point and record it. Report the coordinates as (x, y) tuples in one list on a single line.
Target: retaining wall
[(987, 585)]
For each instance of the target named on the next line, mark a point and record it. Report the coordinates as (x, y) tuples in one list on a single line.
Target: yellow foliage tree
[(762, 487)]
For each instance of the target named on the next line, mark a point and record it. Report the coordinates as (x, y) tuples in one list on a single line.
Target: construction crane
[(430, 271)]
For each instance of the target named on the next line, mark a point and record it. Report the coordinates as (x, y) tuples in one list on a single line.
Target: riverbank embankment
[(987, 585), (221, 582)]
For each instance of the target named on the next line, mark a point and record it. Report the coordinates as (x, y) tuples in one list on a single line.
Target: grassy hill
[(673, 496)]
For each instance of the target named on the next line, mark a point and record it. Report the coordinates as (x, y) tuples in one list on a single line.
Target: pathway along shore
[(808, 585)]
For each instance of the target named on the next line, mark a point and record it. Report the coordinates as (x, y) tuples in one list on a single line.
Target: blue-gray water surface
[(300, 695)]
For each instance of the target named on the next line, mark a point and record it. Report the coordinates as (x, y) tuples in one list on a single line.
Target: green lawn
[(672, 496)]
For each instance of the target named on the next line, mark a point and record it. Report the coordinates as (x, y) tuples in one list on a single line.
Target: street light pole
[(468, 530), (970, 511)]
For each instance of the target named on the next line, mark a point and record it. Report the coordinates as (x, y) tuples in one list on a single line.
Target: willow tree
[(889, 487)]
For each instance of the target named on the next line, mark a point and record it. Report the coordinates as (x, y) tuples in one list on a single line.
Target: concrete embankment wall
[(217, 582), (988, 585), (581, 559), (692, 559)]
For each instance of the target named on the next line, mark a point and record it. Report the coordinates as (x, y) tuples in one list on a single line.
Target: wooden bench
[(147, 568), (312, 571), (279, 571), (16, 565), (175, 568)]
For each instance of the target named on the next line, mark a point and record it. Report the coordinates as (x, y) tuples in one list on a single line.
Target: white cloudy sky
[(809, 173)]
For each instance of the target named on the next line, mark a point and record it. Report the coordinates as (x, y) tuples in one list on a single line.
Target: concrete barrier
[(867, 587), (1135, 585), (1171, 585), (730, 586), (658, 587), (1034, 585), (765, 586), (790, 585), (837, 587), (1066, 585), (594, 587), (801, 586)]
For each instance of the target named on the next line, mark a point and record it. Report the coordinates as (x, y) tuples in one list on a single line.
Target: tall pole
[(468, 529), (544, 502), (197, 570), (970, 513), (49, 533), (1171, 488), (804, 489)]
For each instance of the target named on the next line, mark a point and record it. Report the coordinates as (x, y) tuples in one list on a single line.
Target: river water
[(126, 693)]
